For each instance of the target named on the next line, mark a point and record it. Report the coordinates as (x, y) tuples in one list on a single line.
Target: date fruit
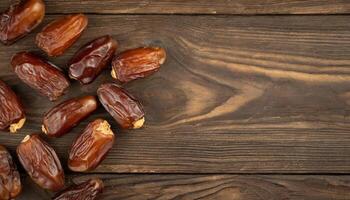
[(20, 19), (91, 59), (59, 35), (10, 181), (123, 107), (88, 190), (41, 162), (90, 148), (40, 75), (66, 115), (12, 115), (137, 63)]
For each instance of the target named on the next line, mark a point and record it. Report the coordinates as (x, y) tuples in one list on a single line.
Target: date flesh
[(10, 182), (41, 162), (90, 148), (20, 19), (59, 35), (91, 59), (40, 75), (137, 63), (88, 190), (66, 115), (12, 115), (123, 107)]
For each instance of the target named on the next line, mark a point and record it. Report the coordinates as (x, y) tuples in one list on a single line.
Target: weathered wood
[(236, 95), (134, 187), (196, 6)]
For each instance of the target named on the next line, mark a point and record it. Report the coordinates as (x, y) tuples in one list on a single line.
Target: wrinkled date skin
[(91, 59), (123, 107), (63, 117), (91, 147), (88, 190), (20, 19), (40, 75), (12, 115), (61, 34), (10, 182), (137, 63), (41, 162)]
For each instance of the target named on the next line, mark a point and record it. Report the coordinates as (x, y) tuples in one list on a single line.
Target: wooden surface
[(196, 6), (208, 187), (238, 95)]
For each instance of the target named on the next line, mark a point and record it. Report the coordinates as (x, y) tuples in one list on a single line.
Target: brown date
[(91, 59), (20, 19), (123, 107), (90, 148), (88, 190), (59, 35), (12, 115), (137, 63), (63, 117), (40, 75), (41, 162), (10, 182)]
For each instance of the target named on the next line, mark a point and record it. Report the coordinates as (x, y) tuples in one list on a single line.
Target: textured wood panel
[(140, 187), (196, 6), (236, 95)]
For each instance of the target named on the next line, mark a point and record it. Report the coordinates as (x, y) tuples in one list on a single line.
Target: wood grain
[(257, 94), (273, 187), (196, 6)]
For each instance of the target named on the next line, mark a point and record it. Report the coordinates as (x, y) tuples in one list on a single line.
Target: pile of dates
[(87, 151)]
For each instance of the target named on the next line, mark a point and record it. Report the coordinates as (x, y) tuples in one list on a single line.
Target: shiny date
[(91, 147), (41, 162), (12, 115), (91, 59), (10, 184), (137, 63), (123, 107), (63, 117), (88, 190), (20, 19), (40, 75), (59, 35)]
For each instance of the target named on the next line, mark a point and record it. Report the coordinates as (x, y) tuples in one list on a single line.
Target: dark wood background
[(253, 101)]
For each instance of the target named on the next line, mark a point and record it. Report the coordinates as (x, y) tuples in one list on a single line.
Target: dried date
[(40, 75), (137, 63), (88, 190), (20, 19), (123, 107), (90, 148), (63, 117), (12, 116), (10, 182), (91, 59), (41, 162), (59, 35)]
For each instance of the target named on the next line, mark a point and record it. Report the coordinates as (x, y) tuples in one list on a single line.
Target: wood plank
[(134, 187), (258, 94), (197, 6)]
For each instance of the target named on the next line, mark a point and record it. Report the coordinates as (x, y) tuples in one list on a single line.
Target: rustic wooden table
[(252, 103)]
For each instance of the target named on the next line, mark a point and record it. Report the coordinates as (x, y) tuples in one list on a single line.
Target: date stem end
[(17, 126), (113, 74), (25, 139), (139, 123), (43, 129), (105, 128)]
